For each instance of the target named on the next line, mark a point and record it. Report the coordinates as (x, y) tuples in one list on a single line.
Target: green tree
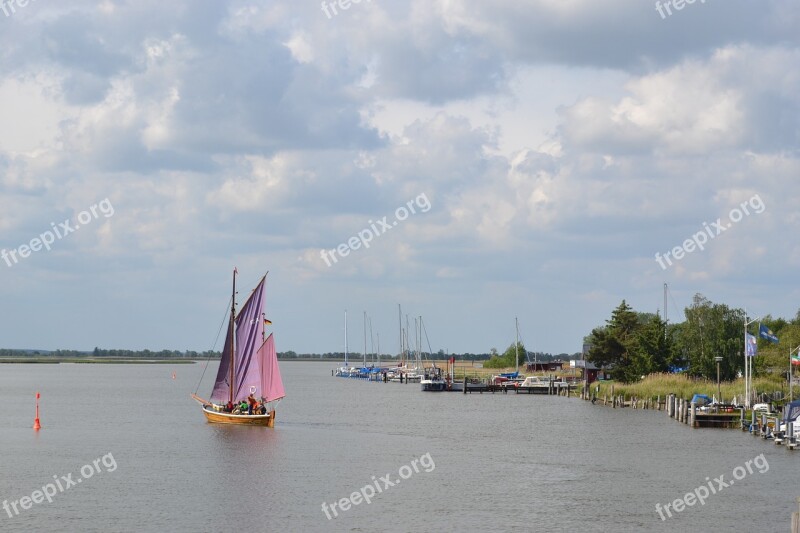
[(713, 330), (631, 344), (613, 344), (507, 359)]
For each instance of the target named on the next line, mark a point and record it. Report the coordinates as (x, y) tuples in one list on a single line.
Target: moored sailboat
[(248, 368)]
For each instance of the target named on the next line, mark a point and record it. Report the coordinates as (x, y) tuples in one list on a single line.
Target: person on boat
[(243, 406), (229, 407), (251, 400)]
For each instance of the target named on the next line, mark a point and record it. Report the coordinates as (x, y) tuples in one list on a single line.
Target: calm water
[(519, 463)]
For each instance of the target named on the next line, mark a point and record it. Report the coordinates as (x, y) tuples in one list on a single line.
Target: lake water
[(497, 462)]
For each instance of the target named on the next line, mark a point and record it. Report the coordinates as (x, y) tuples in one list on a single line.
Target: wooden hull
[(218, 417)]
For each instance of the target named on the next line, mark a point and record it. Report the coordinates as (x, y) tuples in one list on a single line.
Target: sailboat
[(249, 366), (512, 378)]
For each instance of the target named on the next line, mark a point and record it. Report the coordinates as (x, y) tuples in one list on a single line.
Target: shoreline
[(89, 361)]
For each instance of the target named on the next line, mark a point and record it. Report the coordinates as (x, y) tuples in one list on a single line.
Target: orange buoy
[(36, 425)]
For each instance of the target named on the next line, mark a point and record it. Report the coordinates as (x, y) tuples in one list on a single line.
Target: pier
[(558, 388)]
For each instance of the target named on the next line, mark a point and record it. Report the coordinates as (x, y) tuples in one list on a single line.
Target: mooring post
[(796, 520), (694, 414)]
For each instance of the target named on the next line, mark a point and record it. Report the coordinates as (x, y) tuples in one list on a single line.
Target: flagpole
[(791, 371), (748, 369)]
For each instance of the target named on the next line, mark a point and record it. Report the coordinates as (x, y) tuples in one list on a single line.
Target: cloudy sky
[(549, 149)]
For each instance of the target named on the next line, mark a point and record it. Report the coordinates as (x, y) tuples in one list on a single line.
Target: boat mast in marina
[(365, 339), (516, 348), (400, 325)]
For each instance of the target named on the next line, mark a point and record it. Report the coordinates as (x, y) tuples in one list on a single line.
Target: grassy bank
[(661, 385)]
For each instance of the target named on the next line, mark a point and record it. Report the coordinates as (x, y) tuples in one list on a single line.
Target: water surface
[(501, 462)]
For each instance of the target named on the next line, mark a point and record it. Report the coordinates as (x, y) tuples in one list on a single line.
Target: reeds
[(683, 386)]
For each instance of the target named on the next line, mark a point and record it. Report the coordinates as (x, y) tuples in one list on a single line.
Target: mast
[(400, 323), (345, 338), (371, 344), (666, 320), (516, 347), (408, 344), (232, 334), (365, 339)]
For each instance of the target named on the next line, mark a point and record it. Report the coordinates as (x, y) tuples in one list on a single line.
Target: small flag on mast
[(796, 359)]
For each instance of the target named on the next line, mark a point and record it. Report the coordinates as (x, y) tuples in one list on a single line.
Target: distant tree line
[(101, 352), (289, 354), (440, 355)]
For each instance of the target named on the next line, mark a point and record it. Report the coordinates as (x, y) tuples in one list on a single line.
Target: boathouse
[(545, 366), (592, 373)]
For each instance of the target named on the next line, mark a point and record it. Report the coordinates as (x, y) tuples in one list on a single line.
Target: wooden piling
[(796, 520), (693, 415)]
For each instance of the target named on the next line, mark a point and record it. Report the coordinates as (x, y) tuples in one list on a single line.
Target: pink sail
[(249, 330), (249, 333), (221, 391), (271, 382)]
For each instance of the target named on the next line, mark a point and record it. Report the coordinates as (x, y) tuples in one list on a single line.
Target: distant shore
[(95, 360)]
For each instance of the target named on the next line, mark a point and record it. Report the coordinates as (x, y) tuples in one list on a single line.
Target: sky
[(472, 161)]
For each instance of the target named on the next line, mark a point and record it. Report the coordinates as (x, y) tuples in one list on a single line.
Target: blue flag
[(765, 333), (751, 346)]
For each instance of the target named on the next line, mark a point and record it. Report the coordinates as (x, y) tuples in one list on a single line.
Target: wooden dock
[(552, 388)]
